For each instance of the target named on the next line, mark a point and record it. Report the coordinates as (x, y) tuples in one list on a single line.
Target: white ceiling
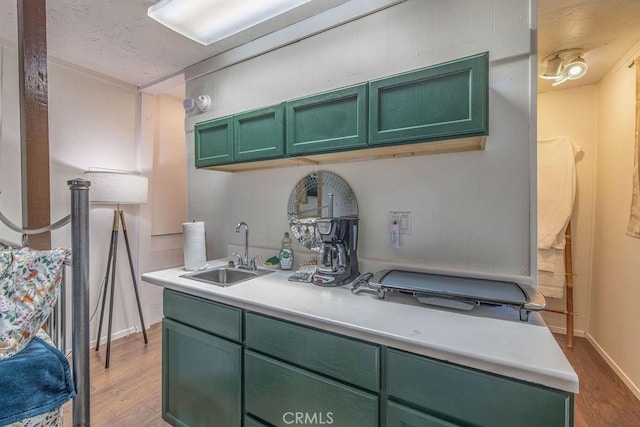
[(605, 29), (116, 38)]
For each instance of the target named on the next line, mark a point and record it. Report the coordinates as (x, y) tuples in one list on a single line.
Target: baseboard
[(114, 336), (625, 379), (563, 331), (152, 322)]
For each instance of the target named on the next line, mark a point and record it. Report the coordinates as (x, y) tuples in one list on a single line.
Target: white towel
[(556, 194), (547, 259), (556, 189), (551, 280)]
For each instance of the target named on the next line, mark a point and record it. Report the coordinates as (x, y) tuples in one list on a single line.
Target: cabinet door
[(259, 134), (201, 378), (401, 416), (329, 121), (214, 142), (250, 422), (284, 395), (442, 101)]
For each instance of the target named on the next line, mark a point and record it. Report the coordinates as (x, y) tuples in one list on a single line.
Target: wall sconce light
[(203, 102), (567, 64)]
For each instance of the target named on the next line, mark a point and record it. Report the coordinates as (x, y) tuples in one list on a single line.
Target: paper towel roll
[(195, 251)]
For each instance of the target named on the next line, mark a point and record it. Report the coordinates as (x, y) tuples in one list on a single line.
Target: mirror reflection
[(320, 194)]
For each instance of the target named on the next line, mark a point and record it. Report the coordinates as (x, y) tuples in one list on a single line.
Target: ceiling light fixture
[(567, 64), (209, 21)]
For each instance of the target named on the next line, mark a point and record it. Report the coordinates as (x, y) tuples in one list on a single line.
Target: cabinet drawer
[(474, 397), (279, 393), (343, 358), (330, 121), (209, 316), (401, 416)]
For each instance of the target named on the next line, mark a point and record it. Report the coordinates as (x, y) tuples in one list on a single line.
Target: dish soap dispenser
[(286, 253)]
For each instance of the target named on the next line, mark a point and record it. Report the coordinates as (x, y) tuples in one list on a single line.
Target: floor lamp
[(116, 188)]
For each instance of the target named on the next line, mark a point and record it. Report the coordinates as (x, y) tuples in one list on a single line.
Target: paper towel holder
[(116, 187)]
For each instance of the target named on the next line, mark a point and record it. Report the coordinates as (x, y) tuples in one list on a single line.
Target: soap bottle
[(286, 253)]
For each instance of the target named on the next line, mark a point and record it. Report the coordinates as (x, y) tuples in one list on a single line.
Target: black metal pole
[(80, 290)]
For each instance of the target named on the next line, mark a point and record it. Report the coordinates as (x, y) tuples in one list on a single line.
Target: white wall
[(573, 113), (169, 203), (614, 322), (92, 123), (161, 134), (471, 211), (10, 189)]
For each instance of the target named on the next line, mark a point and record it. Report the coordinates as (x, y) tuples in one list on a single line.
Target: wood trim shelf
[(457, 145)]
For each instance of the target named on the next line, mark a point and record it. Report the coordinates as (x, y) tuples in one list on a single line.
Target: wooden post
[(568, 261), (34, 118)]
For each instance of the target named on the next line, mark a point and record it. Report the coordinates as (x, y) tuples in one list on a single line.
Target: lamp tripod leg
[(113, 286), (133, 276), (114, 236)]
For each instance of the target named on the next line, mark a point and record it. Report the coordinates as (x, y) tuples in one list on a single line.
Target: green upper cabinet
[(433, 103), (214, 142), (330, 121), (259, 134)]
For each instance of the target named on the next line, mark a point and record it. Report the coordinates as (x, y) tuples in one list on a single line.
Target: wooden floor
[(604, 400), (128, 393)]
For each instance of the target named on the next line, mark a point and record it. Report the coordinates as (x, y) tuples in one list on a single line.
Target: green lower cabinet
[(201, 378), (279, 373), (471, 397), (284, 395), (401, 416)]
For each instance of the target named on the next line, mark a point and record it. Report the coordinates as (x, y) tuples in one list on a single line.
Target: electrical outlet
[(403, 219)]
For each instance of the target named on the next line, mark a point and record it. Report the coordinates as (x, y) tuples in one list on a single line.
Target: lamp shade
[(111, 187)]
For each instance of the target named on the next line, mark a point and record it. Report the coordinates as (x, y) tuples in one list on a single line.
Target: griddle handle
[(361, 284)]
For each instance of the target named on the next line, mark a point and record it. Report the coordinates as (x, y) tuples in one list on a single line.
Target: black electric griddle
[(463, 293)]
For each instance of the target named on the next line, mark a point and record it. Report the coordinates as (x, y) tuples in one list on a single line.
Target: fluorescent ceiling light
[(209, 21)]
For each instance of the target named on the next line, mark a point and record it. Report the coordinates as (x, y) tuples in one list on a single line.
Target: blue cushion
[(34, 381)]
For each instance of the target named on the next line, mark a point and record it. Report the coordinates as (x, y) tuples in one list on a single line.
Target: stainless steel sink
[(226, 276)]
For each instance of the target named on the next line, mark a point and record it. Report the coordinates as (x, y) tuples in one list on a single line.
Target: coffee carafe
[(337, 260)]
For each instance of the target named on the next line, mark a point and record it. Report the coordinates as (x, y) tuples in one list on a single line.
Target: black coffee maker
[(338, 259)]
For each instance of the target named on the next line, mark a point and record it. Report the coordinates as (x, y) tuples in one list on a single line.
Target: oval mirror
[(318, 195)]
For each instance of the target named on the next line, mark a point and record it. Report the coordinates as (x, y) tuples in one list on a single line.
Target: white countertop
[(486, 338)]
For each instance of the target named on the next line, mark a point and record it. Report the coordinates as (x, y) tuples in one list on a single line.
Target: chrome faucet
[(244, 262)]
